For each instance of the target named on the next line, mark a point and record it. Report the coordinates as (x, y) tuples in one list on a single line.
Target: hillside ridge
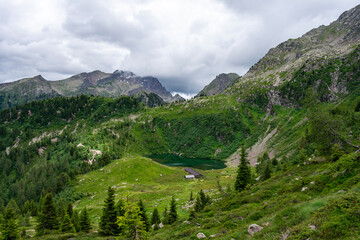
[(95, 83)]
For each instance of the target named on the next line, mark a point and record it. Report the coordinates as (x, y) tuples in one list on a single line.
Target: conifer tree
[(198, 206), (192, 215), (120, 208), (48, 217), (70, 210), (203, 198), (66, 225), (155, 219), (243, 175), (12, 204), (108, 225), (9, 227), (143, 215), (131, 223), (85, 224), (62, 208), (166, 217), (76, 220), (173, 213), (267, 173), (191, 196)]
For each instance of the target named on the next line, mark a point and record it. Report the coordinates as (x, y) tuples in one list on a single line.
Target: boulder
[(200, 235), (253, 228), (285, 235)]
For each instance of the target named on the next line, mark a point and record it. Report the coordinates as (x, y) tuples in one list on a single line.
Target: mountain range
[(95, 83)]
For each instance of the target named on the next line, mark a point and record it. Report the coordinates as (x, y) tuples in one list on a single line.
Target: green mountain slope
[(298, 116)]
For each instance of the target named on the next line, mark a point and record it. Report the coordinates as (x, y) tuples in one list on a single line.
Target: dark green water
[(177, 161)]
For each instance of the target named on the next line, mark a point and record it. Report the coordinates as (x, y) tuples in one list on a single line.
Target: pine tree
[(166, 217), (192, 215), (66, 225), (9, 227), (62, 208), (131, 223), (108, 225), (198, 206), (244, 175), (85, 224), (191, 196), (203, 198), (173, 213), (120, 208), (48, 217), (155, 219), (69, 210), (267, 173), (12, 204), (76, 220), (143, 215)]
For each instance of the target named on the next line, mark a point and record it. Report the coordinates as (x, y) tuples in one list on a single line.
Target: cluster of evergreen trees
[(130, 219), (64, 220)]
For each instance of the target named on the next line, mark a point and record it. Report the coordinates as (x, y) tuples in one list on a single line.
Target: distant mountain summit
[(219, 84), (95, 83)]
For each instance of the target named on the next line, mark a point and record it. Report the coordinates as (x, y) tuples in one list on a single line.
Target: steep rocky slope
[(94, 83), (309, 53), (219, 84)]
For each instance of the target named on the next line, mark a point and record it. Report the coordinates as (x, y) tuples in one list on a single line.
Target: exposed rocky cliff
[(219, 84)]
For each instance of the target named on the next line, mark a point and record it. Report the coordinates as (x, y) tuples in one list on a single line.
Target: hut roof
[(193, 172)]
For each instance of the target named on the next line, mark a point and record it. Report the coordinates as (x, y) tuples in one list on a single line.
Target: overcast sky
[(184, 43)]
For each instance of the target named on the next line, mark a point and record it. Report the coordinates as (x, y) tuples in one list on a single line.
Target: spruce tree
[(85, 224), (76, 220), (108, 219), (69, 210), (267, 173), (66, 225), (192, 215), (131, 223), (173, 213), (9, 227), (48, 218), (166, 217), (120, 208), (143, 215), (191, 196), (155, 219), (243, 175), (203, 198), (198, 206)]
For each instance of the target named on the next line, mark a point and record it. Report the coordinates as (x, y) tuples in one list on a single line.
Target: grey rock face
[(219, 84)]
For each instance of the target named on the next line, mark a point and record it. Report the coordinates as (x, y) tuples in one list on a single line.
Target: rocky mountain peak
[(219, 84), (124, 74), (351, 17), (39, 77)]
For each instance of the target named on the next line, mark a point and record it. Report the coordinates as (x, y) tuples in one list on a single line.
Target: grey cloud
[(184, 43)]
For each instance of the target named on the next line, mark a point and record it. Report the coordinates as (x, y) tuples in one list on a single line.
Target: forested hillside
[(288, 131)]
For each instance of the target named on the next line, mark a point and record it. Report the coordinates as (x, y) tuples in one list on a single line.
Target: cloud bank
[(184, 43)]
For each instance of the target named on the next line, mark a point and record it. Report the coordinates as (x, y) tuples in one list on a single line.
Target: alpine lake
[(178, 161)]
